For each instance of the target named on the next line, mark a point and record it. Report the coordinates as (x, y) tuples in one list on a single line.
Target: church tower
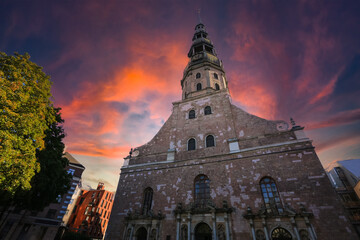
[(204, 72), (214, 171)]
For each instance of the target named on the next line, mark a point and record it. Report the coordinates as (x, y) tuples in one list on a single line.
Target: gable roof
[(72, 160)]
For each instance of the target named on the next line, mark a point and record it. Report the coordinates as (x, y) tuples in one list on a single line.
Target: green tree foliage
[(52, 180), (25, 114)]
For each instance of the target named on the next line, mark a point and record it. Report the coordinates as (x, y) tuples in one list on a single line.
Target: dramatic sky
[(116, 67)]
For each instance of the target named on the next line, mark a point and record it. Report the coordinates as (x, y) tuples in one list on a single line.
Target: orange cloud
[(339, 119), (150, 79)]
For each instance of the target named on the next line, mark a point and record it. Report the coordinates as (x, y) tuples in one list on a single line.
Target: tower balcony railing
[(202, 57)]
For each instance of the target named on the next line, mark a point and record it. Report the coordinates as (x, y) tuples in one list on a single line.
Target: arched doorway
[(141, 234), (203, 232), (280, 233)]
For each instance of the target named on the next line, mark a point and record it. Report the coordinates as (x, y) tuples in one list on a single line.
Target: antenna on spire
[(199, 17)]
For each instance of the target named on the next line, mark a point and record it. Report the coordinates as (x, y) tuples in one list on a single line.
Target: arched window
[(216, 76), (198, 87), (148, 196), (207, 110), (198, 75), (191, 144), (210, 141), (192, 114), (280, 233), (271, 196), (202, 188), (217, 87)]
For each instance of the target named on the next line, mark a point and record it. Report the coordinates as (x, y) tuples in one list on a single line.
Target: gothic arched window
[(210, 141), (148, 196), (207, 110), (280, 233), (191, 144), (202, 188), (198, 87), (191, 114), (198, 75), (271, 195), (217, 87), (216, 76)]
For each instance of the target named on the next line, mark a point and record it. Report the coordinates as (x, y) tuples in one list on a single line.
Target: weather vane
[(199, 17)]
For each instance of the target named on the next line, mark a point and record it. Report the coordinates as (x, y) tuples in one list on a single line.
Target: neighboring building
[(76, 169), (91, 212), (21, 224), (346, 181), (214, 171)]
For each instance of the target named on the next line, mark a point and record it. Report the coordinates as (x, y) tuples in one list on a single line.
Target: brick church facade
[(214, 171)]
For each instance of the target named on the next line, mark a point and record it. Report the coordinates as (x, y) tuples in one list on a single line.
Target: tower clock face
[(282, 126), (135, 153)]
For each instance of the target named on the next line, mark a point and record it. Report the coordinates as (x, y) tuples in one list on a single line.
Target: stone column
[(189, 227), (227, 228), (293, 223), (178, 220), (132, 232), (265, 229), (310, 229), (214, 225), (157, 230), (252, 229), (125, 231), (148, 231)]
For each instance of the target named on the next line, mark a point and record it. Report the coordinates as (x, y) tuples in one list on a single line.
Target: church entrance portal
[(203, 232), (141, 234)]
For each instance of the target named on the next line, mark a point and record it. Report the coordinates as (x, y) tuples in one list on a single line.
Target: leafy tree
[(26, 112), (53, 179)]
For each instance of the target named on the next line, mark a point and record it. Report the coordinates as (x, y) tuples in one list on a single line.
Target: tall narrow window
[(191, 144), (198, 87), (191, 114), (202, 188), (210, 141), (217, 87), (198, 75), (216, 76), (148, 195), (207, 110), (271, 196)]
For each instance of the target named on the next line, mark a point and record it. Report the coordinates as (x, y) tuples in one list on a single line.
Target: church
[(216, 172)]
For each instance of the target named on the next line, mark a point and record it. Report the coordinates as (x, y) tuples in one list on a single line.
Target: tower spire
[(204, 74)]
